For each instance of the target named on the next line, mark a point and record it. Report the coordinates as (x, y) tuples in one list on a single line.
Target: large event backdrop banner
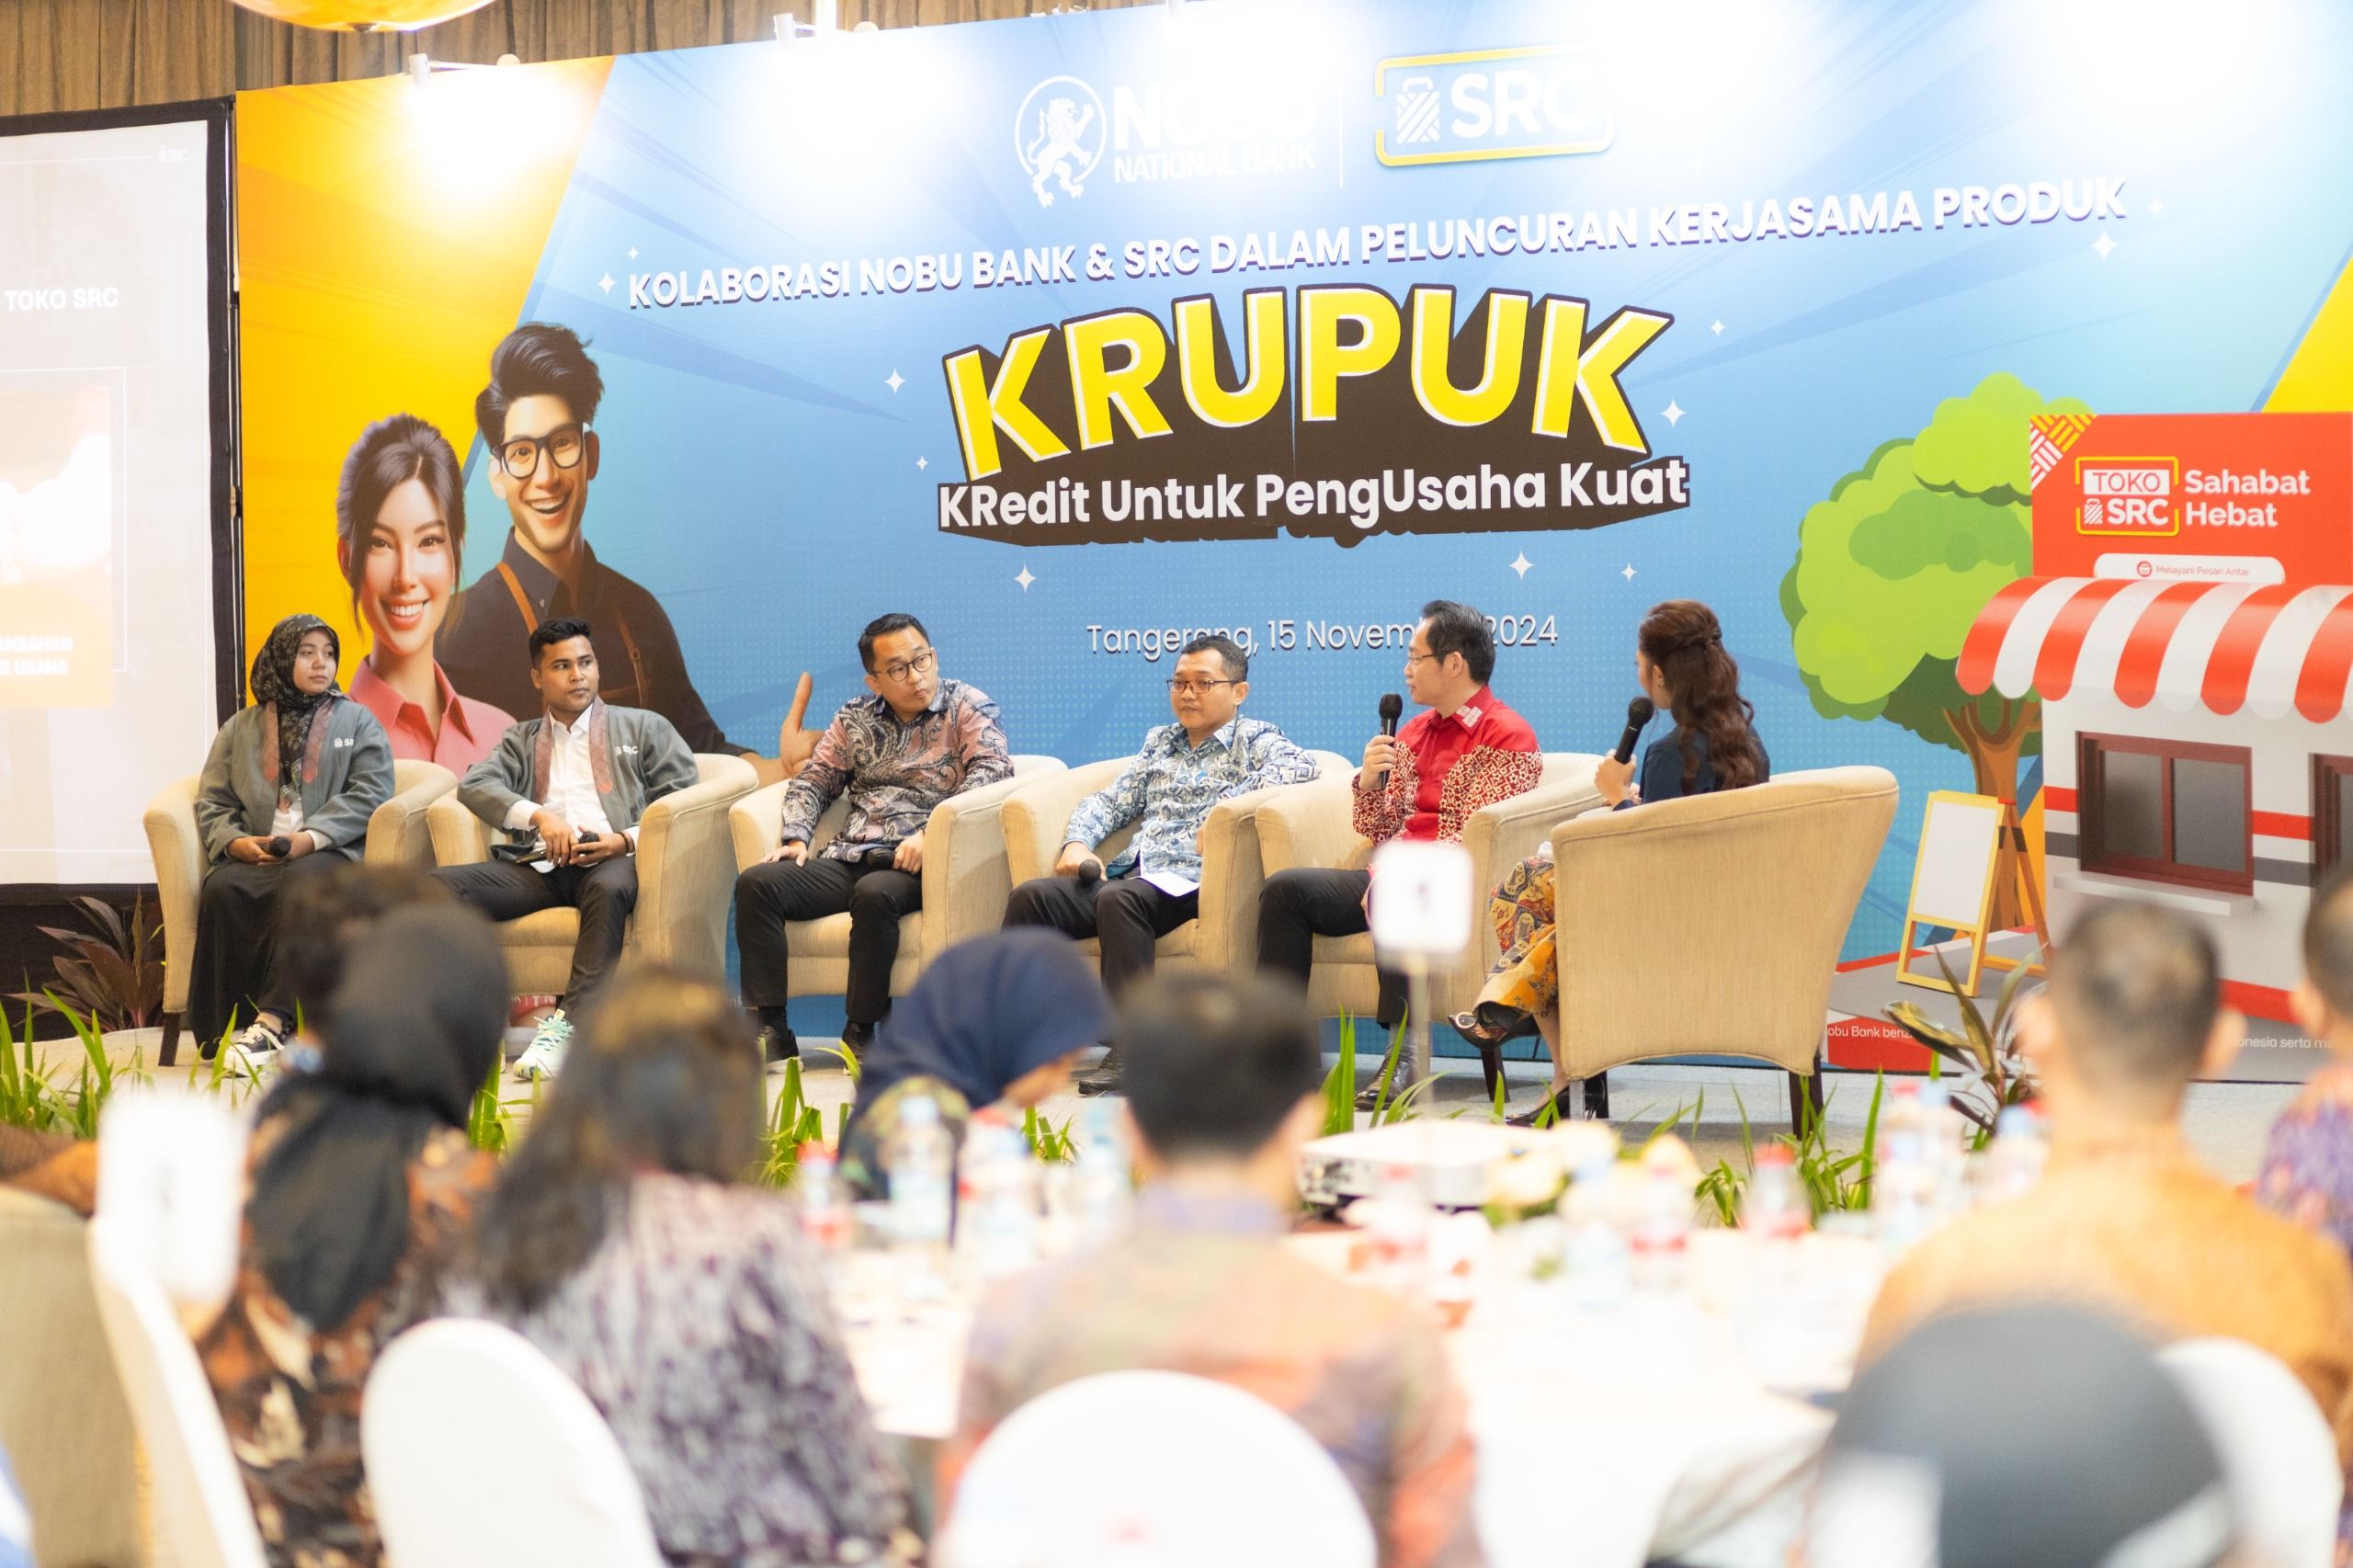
[(1078, 333)]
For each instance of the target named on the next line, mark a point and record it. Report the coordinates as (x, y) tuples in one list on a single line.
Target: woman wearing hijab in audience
[(361, 1185), (286, 793), (624, 1241), (1681, 666), (1000, 1019)]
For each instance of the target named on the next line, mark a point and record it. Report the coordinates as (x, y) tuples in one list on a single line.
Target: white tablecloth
[(1607, 1435)]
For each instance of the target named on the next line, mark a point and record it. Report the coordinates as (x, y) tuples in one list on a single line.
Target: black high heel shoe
[(1560, 1101), (1488, 1026)]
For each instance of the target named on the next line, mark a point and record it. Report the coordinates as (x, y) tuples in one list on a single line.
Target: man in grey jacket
[(563, 793)]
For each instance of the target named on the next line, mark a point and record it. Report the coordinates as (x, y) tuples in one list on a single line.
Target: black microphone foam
[(1393, 708), (1638, 714), (1090, 872), (280, 846)]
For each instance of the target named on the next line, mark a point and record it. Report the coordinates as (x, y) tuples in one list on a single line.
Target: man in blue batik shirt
[(1210, 753)]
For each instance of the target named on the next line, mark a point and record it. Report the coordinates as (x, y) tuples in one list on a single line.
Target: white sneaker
[(254, 1053), (544, 1055)]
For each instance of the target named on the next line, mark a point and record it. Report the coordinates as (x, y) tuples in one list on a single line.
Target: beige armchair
[(1313, 826), (396, 837), (62, 1419), (1225, 934), (682, 877), (1711, 924), (964, 879)]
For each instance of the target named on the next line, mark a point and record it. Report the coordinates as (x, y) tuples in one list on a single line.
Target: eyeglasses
[(564, 446), (921, 664), (1190, 688), (1413, 659)]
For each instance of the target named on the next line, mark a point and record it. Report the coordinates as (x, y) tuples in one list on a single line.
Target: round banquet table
[(1671, 1424)]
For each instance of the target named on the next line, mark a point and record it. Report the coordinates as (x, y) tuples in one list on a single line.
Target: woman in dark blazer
[(1680, 663), (286, 792)]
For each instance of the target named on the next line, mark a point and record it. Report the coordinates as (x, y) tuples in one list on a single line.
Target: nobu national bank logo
[(1237, 122), (1478, 105)]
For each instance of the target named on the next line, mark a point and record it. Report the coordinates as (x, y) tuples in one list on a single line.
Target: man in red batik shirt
[(1466, 751)]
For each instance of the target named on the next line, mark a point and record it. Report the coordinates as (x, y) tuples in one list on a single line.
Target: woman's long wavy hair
[(663, 1075), (1683, 639)]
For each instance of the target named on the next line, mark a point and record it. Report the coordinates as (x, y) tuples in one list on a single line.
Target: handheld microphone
[(1090, 872), (280, 846), (1393, 707), (1638, 714)]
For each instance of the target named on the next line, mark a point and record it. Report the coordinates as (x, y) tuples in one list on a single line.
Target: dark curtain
[(83, 54)]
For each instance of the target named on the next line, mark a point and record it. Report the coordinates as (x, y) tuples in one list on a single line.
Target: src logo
[(2126, 495), (1058, 134)]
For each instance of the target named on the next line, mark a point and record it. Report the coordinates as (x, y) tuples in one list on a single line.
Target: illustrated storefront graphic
[(2193, 684)]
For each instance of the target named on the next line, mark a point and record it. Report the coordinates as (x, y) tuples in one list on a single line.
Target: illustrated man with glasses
[(1182, 770), (916, 741), (537, 419)]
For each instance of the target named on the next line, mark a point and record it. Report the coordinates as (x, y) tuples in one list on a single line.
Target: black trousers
[(1297, 906), (232, 971), (603, 893), (1126, 914), (776, 891)]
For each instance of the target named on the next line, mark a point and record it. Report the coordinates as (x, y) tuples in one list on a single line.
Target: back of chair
[(1154, 1467), (64, 1423), (2278, 1455), (454, 1404), (201, 1511), (178, 852), (1713, 923)]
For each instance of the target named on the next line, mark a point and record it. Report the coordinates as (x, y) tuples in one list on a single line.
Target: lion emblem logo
[(1058, 135)]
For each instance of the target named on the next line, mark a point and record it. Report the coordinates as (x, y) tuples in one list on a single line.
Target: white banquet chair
[(170, 1168), (1114, 1470), (455, 1401), (2278, 1455)]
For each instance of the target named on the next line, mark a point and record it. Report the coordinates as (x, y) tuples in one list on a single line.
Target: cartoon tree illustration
[(1894, 566)]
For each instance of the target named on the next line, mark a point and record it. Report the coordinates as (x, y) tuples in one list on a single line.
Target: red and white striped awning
[(2275, 648)]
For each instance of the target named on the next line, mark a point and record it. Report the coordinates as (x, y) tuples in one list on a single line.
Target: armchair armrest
[(967, 874), (1037, 814), (459, 837), (1234, 871), (755, 825), (397, 834), (1311, 825), (178, 852), (686, 863)]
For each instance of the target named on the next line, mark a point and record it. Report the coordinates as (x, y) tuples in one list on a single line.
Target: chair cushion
[(548, 929)]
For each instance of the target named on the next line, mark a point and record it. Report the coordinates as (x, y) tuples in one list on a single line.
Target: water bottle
[(1773, 1209), (921, 1160), (998, 1191), (2014, 1162), (1103, 1189), (824, 1208), (1664, 1228), (1903, 1185)]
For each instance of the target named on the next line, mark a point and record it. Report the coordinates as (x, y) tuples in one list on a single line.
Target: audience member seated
[(2013, 1436), (2124, 1218), (322, 921), (1223, 1077), (2308, 1170), (1181, 770), (1001, 1020), (563, 793), (621, 1241), (50, 1164), (286, 793), (1681, 666), (361, 1186), (916, 739)]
